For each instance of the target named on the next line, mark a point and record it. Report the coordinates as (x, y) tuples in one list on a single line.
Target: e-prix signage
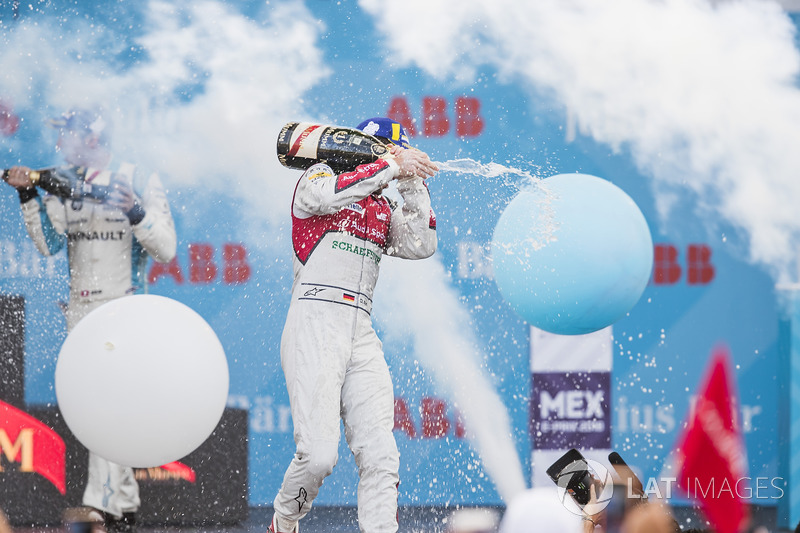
[(31, 446), (43, 470), (571, 409)]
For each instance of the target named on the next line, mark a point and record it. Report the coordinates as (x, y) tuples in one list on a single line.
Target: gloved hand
[(19, 177), (122, 197)]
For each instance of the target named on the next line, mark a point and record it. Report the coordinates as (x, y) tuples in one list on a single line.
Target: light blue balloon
[(573, 254)]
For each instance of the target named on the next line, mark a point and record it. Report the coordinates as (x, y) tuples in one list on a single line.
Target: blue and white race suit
[(107, 254)]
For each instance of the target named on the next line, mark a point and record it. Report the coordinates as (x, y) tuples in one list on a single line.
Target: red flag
[(36, 447), (711, 451)]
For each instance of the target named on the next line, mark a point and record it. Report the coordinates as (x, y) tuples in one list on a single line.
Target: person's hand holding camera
[(597, 520)]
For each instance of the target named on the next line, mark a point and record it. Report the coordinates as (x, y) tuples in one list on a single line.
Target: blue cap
[(385, 128), (77, 119)]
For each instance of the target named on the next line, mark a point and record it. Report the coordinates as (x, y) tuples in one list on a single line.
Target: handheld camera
[(573, 473)]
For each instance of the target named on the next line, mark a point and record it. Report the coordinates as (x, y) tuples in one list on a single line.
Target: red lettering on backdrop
[(402, 418), (666, 269), (461, 430), (435, 423), (203, 268), (700, 270), (434, 418), (171, 269), (400, 112), (469, 122), (434, 116), (201, 263), (435, 120), (32, 444), (237, 269)]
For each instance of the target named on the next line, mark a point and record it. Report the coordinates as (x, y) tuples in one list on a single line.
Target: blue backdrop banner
[(199, 91)]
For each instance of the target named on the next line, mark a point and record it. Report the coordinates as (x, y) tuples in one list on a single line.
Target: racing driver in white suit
[(331, 357), (108, 243)]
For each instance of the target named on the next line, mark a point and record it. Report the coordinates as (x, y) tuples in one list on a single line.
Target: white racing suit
[(107, 256), (331, 357)]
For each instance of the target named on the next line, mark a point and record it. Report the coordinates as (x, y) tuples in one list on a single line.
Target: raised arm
[(152, 222), (320, 191), (143, 200), (45, 219), (412, 234)]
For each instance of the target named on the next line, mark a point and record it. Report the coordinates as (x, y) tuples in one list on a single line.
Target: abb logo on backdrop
[(667, 269), (204, 266), (473, 261), (434, 422), (436, 121)]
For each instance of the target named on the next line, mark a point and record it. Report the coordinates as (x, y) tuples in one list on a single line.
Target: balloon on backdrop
[(142, 380), (573, 254)]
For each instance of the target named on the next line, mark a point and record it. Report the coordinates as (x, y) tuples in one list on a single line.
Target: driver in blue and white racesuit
[(331, 357), (108, 244)]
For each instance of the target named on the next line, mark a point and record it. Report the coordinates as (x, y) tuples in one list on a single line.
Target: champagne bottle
[(302, 144), (66, 182)]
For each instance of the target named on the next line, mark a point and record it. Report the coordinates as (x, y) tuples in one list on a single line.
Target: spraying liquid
[(542, 220), (452, 352), (486, 170)]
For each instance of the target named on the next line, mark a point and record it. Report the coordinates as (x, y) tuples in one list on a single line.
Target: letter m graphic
[(550, 404), (36, 447)]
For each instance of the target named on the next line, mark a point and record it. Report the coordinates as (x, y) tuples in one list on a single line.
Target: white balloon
[(142, 380)]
